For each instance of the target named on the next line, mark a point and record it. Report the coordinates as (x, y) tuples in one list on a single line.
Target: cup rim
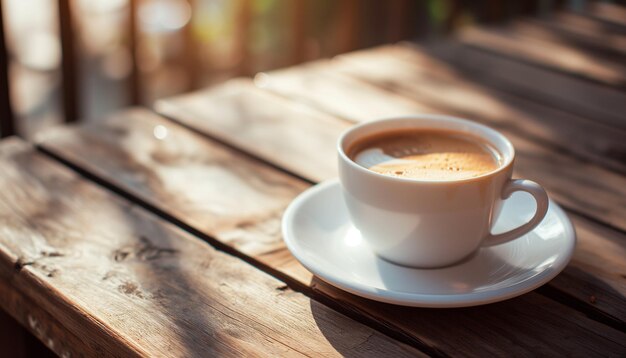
[(507, 157)]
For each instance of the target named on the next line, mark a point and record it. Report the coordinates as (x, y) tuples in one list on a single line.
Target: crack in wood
[(51, 254), (131, 289), (47, 269), (21, 263), (144, 251)]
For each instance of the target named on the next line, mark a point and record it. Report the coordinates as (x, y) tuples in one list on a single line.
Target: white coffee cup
[(430, 224)]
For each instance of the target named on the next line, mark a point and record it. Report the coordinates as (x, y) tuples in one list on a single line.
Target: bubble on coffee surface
[(427, 155)]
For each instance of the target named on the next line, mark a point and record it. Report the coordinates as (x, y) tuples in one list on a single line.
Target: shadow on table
[(152, 265), (167, 278), (524, 325), (586, 124), (142, 255)]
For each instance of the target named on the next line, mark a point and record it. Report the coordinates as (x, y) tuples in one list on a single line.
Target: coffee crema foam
[(425, 154)]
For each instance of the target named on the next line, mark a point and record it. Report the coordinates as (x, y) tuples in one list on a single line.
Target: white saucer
[(318, 232)]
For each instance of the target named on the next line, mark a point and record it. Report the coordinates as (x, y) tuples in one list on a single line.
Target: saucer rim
[(420, 299)]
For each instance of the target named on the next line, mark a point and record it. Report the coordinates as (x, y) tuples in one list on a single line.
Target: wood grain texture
[(509, 328), (581, 186), (518, 331), (611, 13), (240, 114), (596, 274), (587, 26), (162, 169), (126, 283), (316, 85), (598, 104), (580, 31), (558, 57), (418, 74)]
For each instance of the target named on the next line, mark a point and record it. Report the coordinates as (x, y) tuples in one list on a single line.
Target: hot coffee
[(426, 154), (443, 184)]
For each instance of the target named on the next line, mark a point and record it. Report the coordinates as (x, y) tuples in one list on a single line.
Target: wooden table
[(159, 234)]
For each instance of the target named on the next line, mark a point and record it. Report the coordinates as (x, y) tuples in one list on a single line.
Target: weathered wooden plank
[(455, 63), (430, 328), (595, 103), (596, 275), (237, 113), (160, 161), (611, 13), (559, 57), (317, 86), (587, 26), (581, 186), (415, 73), (503, 327), (128, 283), (603, 43)]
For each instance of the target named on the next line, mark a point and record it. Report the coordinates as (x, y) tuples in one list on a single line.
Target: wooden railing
[(403, 19), (7, 125)]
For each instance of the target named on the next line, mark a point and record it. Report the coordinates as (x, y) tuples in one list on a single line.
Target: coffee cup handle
[(541, 197)]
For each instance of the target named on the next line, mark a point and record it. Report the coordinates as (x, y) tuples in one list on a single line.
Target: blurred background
[(70, 59)]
